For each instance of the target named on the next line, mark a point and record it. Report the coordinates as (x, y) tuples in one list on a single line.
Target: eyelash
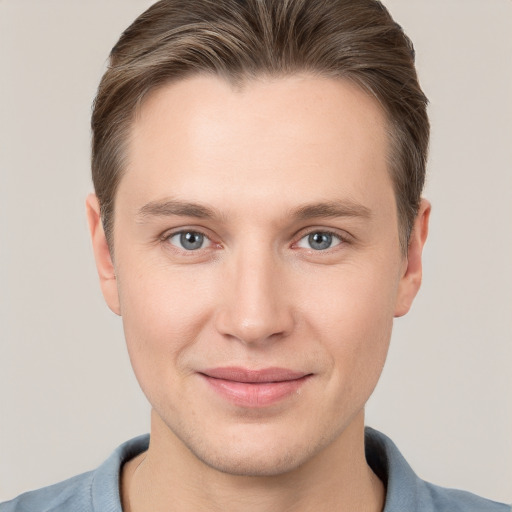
[(335, 235)]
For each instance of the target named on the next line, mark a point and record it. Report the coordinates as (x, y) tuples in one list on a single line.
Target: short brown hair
[(239, 39)]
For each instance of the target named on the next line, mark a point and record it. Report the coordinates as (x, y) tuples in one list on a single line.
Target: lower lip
[(255, 395)]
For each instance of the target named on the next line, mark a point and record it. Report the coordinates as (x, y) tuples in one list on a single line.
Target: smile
[(254, 388)]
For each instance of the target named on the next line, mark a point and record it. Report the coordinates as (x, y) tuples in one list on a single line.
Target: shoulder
[(71, 494), (96, 490), (406, 491), (452, 500)]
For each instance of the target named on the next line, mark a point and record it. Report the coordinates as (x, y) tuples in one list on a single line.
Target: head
[(258, 167)]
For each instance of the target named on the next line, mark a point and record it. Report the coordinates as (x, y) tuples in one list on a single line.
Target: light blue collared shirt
[(98, 491)]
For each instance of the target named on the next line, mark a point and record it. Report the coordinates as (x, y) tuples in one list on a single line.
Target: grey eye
[(319, 241), (189, 240)]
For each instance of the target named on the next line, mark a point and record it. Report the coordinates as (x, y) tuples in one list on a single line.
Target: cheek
[(358, 333), (163, 313), (356, 299), (354, 317)]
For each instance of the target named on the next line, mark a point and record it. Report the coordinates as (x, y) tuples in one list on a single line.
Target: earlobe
[(410, 281), (104, 264)]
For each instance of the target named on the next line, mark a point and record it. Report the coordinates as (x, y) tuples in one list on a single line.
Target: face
[(257, 264)]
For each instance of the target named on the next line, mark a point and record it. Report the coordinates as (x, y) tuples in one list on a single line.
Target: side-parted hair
[(237, 40)]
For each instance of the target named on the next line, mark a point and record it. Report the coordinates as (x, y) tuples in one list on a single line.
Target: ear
[(411, 279), (104, 264)]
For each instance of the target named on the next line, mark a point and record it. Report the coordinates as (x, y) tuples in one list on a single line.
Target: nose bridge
[(255, 306)]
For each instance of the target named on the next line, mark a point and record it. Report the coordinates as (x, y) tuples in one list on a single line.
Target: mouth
[(254, 388)]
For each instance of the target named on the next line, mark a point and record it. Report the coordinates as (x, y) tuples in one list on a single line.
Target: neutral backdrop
[(67, 395)]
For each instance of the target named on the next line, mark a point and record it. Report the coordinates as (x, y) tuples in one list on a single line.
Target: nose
[(255, 307)]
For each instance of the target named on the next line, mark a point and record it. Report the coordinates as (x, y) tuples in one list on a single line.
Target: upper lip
[(239, 374)]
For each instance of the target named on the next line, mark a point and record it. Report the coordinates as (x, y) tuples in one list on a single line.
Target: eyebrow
[(332, 209), (173, 207)]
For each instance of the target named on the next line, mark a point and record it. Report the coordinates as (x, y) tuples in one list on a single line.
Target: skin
[(257, 294)]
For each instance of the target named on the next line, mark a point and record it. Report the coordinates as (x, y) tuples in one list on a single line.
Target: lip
[(254, 388)]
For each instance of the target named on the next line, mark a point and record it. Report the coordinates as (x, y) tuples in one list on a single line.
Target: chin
[(256, 452), (254, 463)]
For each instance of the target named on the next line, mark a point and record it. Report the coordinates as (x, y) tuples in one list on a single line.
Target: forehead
[(293, 139)]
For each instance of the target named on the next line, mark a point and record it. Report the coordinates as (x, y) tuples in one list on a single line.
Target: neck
[(168, 476)]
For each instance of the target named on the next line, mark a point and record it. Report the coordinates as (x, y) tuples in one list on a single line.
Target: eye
[(189, 240), (319, 241)]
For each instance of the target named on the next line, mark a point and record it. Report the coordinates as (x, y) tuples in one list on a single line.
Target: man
[(258, 224)]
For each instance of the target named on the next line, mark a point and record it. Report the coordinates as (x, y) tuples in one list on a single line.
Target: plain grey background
[(67, 394)]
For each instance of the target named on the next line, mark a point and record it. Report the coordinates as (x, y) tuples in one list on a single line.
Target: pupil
[(191, 240), (319, 241)]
